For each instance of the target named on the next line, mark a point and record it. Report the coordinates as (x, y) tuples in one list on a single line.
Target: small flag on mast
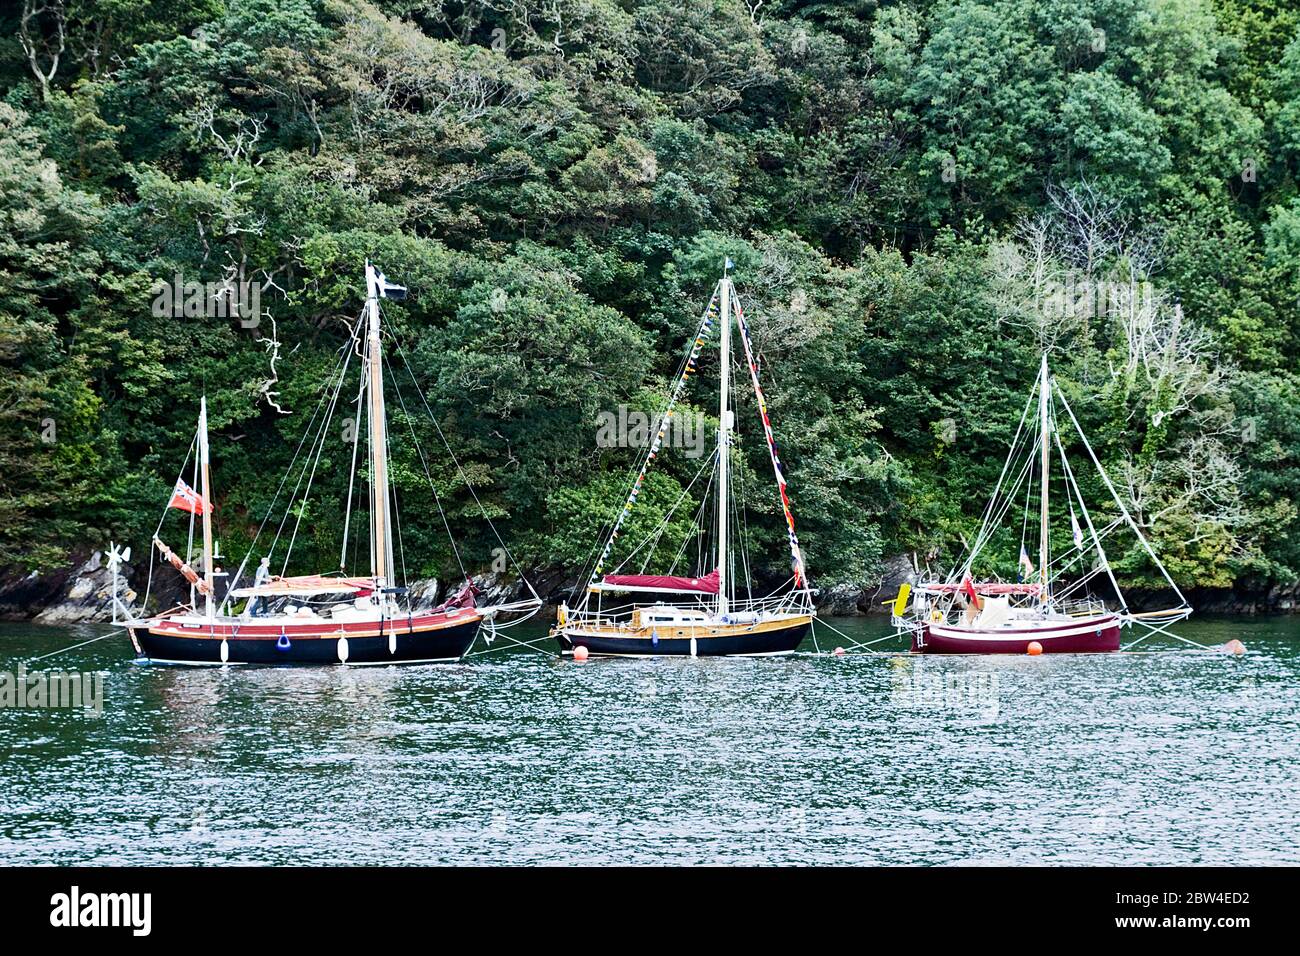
[(185, 498), (1026, 566), (1078, 532), (390, 290)]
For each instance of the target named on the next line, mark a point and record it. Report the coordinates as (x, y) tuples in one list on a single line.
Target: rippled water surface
[(1168, 757)]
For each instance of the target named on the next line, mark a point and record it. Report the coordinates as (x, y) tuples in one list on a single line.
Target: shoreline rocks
[(79, 594), (82, 593)]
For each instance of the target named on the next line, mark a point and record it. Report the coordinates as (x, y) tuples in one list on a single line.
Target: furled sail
[(708, 584)]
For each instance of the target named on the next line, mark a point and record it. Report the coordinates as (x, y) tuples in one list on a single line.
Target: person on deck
[(260, 577)]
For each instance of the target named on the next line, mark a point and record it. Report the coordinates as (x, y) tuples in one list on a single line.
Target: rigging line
[(999, 505), (1071, 556), (697, 523), (1005, 500), (1123, 510), (329, 415), (1004, 506), (1024, 522), (148, 587), (1087, 517), (189, 540), (1152, 630), (854, 641), (742, 506), (604, 541), (284, 478), (1065, 594), (591, 560), (392, 492), (663, 422), (642, 461), (461, 471), (735, 553), (74, 646), (664, 522), (424, 463), (988, 508), (515, 643), (769, 437), (322, 403), (352, 474), (372, 540), (317, 440), (401, 546)]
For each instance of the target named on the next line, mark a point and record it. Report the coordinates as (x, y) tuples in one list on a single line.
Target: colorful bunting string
[(796, 554), (701, 336)]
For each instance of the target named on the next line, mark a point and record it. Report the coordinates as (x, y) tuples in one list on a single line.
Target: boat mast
[(206, 492), (381, 554), (1043, 394), (724, 438)]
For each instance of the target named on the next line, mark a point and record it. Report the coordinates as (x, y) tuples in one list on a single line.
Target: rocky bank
[(83, 593)]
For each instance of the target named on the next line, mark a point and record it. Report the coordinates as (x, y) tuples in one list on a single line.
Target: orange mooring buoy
[(1235, 646), (839, 652), (580, 653), (1034, 649)]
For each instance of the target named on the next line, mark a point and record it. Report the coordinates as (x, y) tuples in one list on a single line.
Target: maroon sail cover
[(665, 582), (463, 598), (983, 587)]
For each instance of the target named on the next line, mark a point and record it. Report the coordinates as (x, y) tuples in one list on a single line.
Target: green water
[(1157, 758)]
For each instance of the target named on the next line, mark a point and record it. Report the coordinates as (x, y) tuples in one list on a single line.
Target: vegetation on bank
[(918, 197)]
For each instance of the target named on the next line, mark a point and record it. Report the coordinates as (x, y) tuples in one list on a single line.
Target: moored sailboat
[(335, 618), (701, 614), (1052, 607)]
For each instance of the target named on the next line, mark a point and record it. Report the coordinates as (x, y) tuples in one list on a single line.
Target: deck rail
[(791, 602)]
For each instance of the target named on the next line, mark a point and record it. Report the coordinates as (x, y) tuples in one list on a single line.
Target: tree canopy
[(919, 197)]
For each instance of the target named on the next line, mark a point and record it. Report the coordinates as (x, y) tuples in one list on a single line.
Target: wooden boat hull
[(766, 639), (416, 640), (1085, 636)]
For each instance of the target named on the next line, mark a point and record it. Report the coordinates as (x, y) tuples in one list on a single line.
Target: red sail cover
[(463, 598), (983, 587), (665, 582)]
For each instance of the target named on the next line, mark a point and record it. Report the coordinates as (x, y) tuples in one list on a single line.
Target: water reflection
[(1164, 757)]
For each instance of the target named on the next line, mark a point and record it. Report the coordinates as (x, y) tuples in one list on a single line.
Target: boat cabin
[(664, 615)]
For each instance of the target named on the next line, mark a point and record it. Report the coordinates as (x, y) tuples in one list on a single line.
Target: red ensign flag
[(186, 498)]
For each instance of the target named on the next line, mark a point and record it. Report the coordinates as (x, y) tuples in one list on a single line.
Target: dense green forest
[(919, 197)]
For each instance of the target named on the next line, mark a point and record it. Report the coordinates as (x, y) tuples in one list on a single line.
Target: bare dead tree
[(237, 144), (1085, 266), (37, 45)]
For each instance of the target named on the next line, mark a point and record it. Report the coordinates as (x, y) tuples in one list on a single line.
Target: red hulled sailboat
[(1053, 608), (334, 618)]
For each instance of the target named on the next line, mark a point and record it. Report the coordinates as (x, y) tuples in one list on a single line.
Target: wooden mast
[(381, 555), (1043, 393), (724, 439), (205, 491)]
